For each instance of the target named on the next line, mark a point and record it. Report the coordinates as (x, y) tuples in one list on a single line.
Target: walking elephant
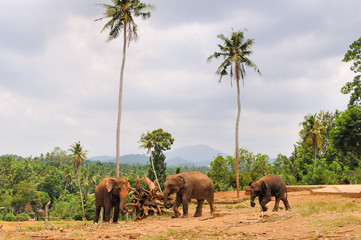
[(189, 185), (267, 186), (111, 193)]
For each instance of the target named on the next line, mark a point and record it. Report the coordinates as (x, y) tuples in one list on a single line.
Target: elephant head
[(173, 184), (258, 188), (118, 187)]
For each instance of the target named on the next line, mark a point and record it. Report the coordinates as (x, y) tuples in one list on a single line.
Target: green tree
[(251, 166), (26, 193), (77, 156), (346, 136), (311, 133), (121, 18), (51, 184), (161, 141), (354, 55), (221, 172), (235, 53)]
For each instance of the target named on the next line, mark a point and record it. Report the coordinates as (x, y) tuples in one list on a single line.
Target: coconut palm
[(121, 18), (147, 142), (77, 156), (312, 134), (235, 53)]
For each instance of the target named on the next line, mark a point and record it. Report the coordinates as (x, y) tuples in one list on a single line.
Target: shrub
[(23, 217), (10, 217)]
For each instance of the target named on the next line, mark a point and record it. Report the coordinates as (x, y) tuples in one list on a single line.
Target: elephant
[(111, 193), (189, 185), (267, 186)]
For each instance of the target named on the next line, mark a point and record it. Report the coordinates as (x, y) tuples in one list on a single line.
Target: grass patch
[(183, 234), (312, 208), (190, 234), (242, 205), (337, 222), (237, 206)]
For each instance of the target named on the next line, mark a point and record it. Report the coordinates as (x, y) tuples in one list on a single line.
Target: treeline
[(27, 184), (328, 152)]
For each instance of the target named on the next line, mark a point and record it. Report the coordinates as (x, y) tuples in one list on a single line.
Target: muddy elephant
[(265, 188), (111, 193), (189, 185)]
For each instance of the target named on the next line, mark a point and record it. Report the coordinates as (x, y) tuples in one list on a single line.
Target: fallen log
[(147, 202)]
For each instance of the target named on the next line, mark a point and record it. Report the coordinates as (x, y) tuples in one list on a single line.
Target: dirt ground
[(311, 217)]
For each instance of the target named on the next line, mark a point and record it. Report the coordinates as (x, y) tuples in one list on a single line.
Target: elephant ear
[(181, 181), (264, 186), (109, 182)]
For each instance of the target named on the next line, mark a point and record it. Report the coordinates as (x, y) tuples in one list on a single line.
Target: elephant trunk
[(165, 199), (253, 196), (123, 198)]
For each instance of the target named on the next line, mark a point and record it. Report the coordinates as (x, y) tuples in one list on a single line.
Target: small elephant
[(189, 185), (111, 193), (267, 186)]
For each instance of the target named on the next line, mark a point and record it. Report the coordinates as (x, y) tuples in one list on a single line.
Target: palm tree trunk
[(237, 136), (81, 197), (314, 164), (155, 174), (120, 100)]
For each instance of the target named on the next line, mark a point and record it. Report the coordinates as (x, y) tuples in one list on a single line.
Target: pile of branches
[(147, 202)]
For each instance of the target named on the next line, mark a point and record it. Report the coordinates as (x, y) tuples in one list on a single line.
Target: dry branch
[(147, 202)]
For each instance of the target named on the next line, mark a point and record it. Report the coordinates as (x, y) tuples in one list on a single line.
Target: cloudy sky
[(59, 77)]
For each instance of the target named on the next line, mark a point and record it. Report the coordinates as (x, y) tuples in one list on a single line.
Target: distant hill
[(199, 155), (129, 159)]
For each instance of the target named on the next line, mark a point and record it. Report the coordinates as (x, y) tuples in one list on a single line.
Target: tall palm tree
[(235, 53), (121, 18), (147, 142), (312, 134), (77, 156)]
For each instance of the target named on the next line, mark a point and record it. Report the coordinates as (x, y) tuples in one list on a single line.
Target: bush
[(10, 217), (78, 216), (23, 217)]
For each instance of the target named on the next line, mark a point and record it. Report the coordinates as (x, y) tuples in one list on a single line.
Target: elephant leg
[(116, 213), (277, 202), (177, 203), (287, 205), (263, 201), (107, 210), (185, 202), (199, 208), (97, 212), (285, 202), (210, 200)]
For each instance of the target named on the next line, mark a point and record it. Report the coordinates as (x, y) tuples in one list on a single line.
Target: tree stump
[(147, 202)]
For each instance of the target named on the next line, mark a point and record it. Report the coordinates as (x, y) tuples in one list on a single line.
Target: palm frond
[(234, 50)]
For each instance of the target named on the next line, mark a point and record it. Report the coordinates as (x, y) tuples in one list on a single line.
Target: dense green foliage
[(53, 177), (354, 88), (338, 157)]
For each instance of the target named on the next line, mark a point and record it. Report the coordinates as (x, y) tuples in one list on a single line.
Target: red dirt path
[(230, 221)]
